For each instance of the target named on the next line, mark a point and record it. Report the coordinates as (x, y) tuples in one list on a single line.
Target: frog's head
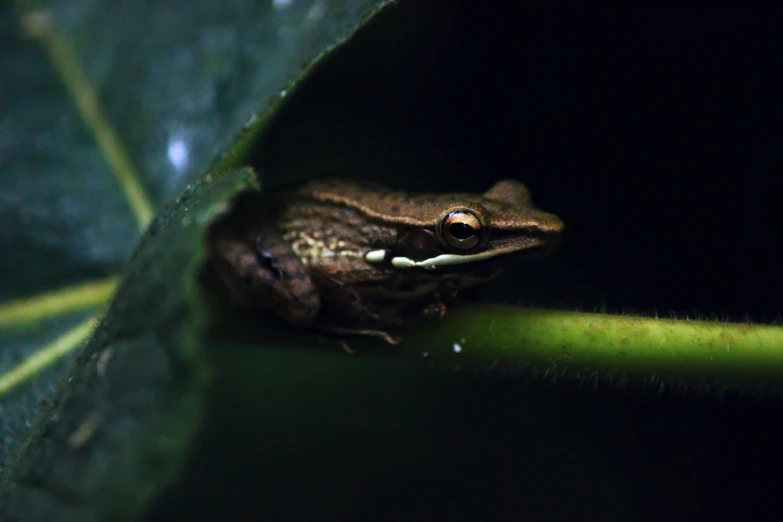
[(458, 233)]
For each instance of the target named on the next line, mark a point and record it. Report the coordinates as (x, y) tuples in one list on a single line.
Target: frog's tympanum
[(349, 257)]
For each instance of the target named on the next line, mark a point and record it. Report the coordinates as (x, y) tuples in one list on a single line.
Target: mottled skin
[(302, 252)]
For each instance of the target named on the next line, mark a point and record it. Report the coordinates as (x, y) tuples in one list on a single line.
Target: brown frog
[(352, 257)]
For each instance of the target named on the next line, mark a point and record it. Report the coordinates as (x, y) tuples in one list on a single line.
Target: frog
[(348, 256)]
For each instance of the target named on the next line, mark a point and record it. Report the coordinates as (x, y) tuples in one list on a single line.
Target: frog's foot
[(350, 351), (386, 336), (437, 309)]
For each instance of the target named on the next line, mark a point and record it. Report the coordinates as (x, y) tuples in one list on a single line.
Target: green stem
[(605, 346)]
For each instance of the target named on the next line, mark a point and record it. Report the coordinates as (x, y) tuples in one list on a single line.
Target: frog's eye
[(461, 230)]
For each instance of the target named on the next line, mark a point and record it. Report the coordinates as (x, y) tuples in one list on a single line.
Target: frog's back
[(376, 200)]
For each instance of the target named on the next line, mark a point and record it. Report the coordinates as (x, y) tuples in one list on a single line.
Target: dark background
[(656, 135)]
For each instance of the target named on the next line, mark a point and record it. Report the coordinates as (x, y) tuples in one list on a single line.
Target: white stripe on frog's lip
[(451, 259), (375, 256)]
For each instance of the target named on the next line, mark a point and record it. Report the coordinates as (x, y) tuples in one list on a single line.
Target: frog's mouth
[(484, 260), (423, 276)]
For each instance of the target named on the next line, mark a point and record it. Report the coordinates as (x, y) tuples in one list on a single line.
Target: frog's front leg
[(271, 276), (436, 309), (436, 306)]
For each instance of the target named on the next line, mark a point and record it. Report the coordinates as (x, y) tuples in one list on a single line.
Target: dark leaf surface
[(178, 80), (122, 426)]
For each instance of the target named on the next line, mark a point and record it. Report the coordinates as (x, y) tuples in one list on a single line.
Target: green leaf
[(134, 401), (170, 95)]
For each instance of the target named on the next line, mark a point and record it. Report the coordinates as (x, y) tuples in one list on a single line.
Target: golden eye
[(461, 230)]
